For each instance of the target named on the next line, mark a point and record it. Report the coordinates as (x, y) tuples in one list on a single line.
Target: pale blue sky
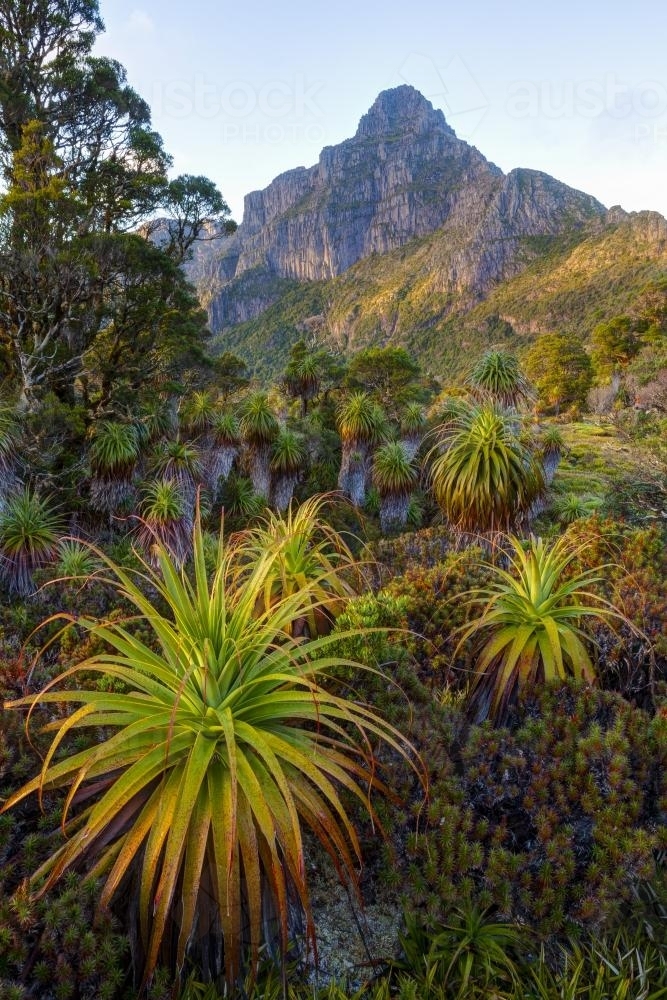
[(242, 91)]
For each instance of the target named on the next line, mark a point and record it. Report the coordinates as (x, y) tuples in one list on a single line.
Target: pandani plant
[(484, 477), (181, 463), (198, 413), (224, 744), (529, 629), (114, 452), (497, 378), (395, 478), (222, 447), (362, 426), (288, 459), (10, 437), (164, 520), (308, 555), (412, 423), (259, 428), (30, 531)]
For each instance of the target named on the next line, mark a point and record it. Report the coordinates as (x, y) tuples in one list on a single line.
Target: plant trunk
[(219, 462), (354, 473), (283, 491), (260, 472), (410, 446), (394, 511), (550, 463)]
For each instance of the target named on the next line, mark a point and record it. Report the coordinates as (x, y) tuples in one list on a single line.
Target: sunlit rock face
[(403, 175)]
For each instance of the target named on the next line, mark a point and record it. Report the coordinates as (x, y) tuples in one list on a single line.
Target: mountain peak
[(403, 108)]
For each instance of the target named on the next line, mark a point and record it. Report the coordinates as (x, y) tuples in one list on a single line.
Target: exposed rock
[(403, 175), (353, 944)]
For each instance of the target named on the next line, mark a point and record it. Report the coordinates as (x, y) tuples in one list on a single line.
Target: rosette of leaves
[(484, 477), (288, 458), (198, 413), (362, 425), (450, 409), (182, 464), (529, 630), (395, 478), (303, 377), (239, 500), (497, 378), (30, 530), (157, 421), (259, 428), (307, 552), (551, 447), (114, 453), (222, 747), (413, 421), (166, 521), (570, 507), (9, 449), (76, 561), (223, 445)]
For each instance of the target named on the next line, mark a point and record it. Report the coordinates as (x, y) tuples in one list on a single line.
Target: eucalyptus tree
[(310, 372), (389, 374), (89, 308), (560, 369)]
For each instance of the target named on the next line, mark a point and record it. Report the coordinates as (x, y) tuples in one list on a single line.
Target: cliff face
[(403, 175)]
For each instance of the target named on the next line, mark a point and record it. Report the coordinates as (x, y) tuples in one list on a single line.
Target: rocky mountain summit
[(405, 234), (403, 175)]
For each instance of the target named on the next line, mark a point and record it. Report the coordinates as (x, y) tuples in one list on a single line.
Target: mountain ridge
[(402, 178)]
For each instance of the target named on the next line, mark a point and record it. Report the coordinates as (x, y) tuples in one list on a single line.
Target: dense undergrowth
[(528, 857)]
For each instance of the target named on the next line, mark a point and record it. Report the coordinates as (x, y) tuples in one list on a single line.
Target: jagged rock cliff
[(403, 175)]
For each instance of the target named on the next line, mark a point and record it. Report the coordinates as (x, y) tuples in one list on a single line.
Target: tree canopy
[(559, 368), (89, 307)]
